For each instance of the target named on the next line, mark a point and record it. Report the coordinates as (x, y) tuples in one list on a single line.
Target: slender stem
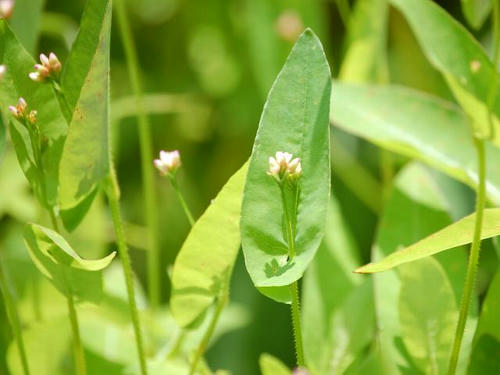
[(294, 288), (63, 102), (113, 197), (221, 303), (473, 257), (496, 49), (81, 368), (13, 317), (146, 149), (187, 211)]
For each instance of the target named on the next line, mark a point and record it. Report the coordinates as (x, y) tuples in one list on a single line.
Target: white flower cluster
[(283, 165), (49, 67), (20, 111), (6, 8), (168, 163)]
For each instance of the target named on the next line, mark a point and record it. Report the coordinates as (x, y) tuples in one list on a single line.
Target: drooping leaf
[(84, 162), (365, 59), (294, 120), (270, 365), (204, 265), (335, 328), (427, 316), (56, 260), (415, 208), (416, 125), (460, 58), (476, 11), (52, 126), (454, 235), (25, 22)]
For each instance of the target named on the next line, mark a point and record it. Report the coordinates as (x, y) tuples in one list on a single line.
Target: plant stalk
[(13, 320), (81, 368), (114, 204), (146, 149), (187, 211), (294, 287), (473, 256), (496, 52)]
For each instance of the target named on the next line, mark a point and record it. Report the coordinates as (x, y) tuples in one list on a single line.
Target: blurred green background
[(207, 67)]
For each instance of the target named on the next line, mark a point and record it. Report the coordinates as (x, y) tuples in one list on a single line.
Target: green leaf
[(476, 11), (416, 125), (295, 120), (51, 124), (270, 365), (25, 22), (214, 241), (454, 235), (2, 137), (69, 273), (427, 316), (415, 208), (335, 328), (365, 59), (84, 162), (453, 51)]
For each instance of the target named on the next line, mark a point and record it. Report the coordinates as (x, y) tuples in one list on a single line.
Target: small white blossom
[(3, 69), (168, 163), (282, 165), (6, 8), (49, 68), (20, 111)]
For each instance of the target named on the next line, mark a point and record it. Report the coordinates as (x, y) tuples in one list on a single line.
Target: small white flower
[(3, 69), (6, 8), (20, 111), (282, 165), (49, 68), (168, 162), (54, 62)]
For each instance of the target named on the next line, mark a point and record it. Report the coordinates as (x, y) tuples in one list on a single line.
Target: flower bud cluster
[(6, 8), (3, 70), (20, 111), (168, 163), (284, 167), (49, 68)]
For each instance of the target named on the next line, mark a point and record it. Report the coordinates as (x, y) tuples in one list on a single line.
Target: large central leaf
[(295, 120)]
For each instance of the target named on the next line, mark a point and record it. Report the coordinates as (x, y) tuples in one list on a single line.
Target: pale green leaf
[(84, 162), (416, 125), (205, 262), (69, 273), (427, 316), (476, 11), (452, 50), (25, 22), (270, 365), (295, 120)]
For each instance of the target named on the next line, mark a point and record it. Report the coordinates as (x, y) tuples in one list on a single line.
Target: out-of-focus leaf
[(69, 273), (427, 316), (59, 25), (295, 120), (415, 208), (335, 328), (204, 265), (485, 358), (416, 125), (365, 59), (84, 162), (46, 346), (454, 235), (476, 11), (52, 126), (2, 137), (25, 22), (460, 58), (270, 365)]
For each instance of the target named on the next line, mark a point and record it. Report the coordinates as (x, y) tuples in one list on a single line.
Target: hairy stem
[(13, 317), (81, 368), (473, 257), (187, 211), (146, 149), (294, 287), (114, 204)]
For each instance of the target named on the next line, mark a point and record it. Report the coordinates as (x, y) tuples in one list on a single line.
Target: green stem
[(187, 211), (294, 288), (13, 320), (146, 149), (473, 257), (496, 49), (63, 102), (77, 342), (114, 204), (221, 303)]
